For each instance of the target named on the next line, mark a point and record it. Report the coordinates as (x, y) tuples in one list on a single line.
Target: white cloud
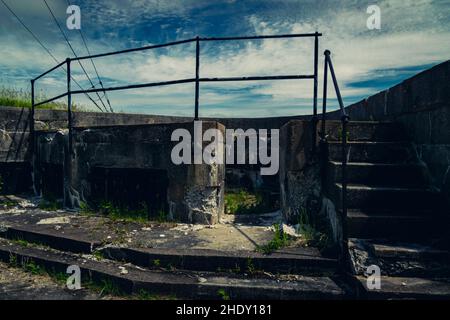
[(412, 35)]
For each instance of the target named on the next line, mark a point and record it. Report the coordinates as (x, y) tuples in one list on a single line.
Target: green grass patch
[(223, 294), (245, 202), (315, 232), (12, 97), (279, 240), (115, 212)]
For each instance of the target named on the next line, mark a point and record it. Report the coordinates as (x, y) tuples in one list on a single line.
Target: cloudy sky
[(414, 36)]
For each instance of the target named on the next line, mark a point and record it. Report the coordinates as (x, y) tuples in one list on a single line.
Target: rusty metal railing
[(197, 79), (328, 65)]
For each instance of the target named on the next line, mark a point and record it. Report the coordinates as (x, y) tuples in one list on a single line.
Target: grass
[(50, 205), (279, 240), (104, 287), (245, 202), (314, 233), (123, 213), (20, 98), (223, 294)]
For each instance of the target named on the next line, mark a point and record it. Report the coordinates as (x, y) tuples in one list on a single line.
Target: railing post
[(345, 252), (197, 75), (69, 106), (325, 91), (33, 141), (316, 63), (323, 146), (68, 157)]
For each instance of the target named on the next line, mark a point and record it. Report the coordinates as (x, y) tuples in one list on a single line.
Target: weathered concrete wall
[(14, 119), (300, 186), (14, 134), (195, 191), (422, 105)]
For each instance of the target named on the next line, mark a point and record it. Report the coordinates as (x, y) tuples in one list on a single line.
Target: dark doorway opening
[(52, 181), (131, 189)]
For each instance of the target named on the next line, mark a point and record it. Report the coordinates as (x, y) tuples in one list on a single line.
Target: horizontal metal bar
[(287, 77), (50, 100), (295, 35), (201, 39), (172, 82), (135, 49), (136, 86), (50, 70)]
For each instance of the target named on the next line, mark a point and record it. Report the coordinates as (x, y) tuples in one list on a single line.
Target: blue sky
[(414, 35)]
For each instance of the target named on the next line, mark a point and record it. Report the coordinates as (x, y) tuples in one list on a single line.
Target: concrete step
[(381, 174), (300, 260), (365, 131), (409, 251), (403, 198), (407, 288), (373, 152), (361, 225), (182, 284), (400, 258)]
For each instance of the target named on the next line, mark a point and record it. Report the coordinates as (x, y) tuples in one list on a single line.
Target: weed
[(156, 263), (13, 260), (145, 295), (162, 216), (31, 267), (50, 203), (98, 255), (244, 202), (125, 214), (21, 242), (280, 240), (250, 266), (222, 294), (110, 288), (314, 233), (86, 210)]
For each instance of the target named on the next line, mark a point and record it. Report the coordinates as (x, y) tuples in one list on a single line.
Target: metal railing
[(197, 79), (328, 65)]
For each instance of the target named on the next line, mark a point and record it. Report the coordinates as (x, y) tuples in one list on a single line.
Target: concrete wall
[(194, 192), (422, 105)]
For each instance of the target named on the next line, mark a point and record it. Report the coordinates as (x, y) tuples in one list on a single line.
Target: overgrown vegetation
[(50, 203), (102, 286), (279, 240), (314, 232), (115, 212), (20, 98), (245, 202), (223, 294)]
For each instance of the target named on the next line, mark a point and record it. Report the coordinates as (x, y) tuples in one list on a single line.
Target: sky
[(413, 36)]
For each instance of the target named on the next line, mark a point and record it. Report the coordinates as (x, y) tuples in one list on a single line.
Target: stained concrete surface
[(242, 232), (16, 284)]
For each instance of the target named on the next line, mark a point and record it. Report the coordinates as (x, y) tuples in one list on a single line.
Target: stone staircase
[(161, 269), (396, 219)]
